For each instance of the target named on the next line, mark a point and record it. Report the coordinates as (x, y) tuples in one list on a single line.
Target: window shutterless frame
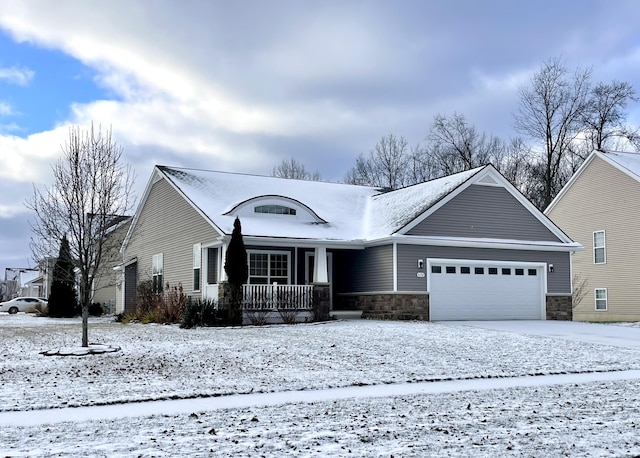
[(599, 247), (601, 299)]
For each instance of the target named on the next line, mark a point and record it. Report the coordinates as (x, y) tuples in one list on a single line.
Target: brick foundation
[(559, 308)]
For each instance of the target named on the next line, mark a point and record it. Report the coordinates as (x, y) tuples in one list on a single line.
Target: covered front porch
[(283, 281)]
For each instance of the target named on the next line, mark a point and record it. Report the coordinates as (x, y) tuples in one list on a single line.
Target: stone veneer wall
[(389, 306), (321, 301), (559, 308), (415, 306)]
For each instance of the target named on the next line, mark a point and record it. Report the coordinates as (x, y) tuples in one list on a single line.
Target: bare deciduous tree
[(579, 289), (294, 170), (91, 190), (385, 166), (605, 119), (457, 146), (551, 113)]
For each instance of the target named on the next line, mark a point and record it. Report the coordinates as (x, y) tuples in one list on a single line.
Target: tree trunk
[(85, 324)]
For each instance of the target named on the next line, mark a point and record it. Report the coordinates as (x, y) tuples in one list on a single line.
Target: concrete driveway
[(604, 334)]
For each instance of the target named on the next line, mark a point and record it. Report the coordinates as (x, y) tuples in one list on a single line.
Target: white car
[(21, 304)]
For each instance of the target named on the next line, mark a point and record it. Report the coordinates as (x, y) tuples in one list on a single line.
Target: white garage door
[(485, 290)]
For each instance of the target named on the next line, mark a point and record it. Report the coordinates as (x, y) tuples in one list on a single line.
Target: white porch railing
[(275, 297)]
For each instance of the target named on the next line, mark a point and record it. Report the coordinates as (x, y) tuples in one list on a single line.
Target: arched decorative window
[(274, 209), (273, 206)]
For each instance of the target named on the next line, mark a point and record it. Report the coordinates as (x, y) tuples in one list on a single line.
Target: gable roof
[(626, 162), (339, 212)]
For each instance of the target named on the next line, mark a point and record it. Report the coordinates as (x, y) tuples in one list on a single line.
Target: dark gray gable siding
[(558, 281), (484, 212), (365, 270)]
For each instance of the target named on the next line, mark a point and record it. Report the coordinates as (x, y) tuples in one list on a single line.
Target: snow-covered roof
[(345, 212), (629, 162)]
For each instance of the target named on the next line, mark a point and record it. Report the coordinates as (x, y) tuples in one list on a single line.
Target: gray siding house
[(464, 247)]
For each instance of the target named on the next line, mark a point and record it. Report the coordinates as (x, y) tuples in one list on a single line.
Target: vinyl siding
[(484, 212), (105, 285), (604, 198), (558, 281), (365, 270), (168, 224)]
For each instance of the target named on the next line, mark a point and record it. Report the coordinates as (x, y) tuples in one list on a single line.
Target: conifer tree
[(235, 265), (62, 300)]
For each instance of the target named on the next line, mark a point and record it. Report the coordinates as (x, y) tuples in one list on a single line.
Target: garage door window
[(519, 271), (436, 269), (451, 269), (601, 299), (465, 270), (493, 271), (479, 270), (506, 271), (532, 272)]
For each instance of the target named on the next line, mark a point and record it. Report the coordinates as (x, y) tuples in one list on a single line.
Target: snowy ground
[(166, 362)]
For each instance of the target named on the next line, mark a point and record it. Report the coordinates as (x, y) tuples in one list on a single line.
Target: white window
[(599, 251), (197, 263), (268, 267), (157, 272), (601, 298)]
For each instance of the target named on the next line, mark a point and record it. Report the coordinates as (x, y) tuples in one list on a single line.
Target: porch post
[(320, 267)]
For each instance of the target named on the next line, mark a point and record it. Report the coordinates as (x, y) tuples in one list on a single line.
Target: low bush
[(95, 309), (152, 306), (203, 312)]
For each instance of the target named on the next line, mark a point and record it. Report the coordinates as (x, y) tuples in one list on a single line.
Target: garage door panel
[(471, 296)]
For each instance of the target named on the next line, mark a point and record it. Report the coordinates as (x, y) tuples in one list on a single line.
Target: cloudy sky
[(240, 86)]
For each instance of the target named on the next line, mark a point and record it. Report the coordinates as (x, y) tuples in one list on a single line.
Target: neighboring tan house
[(107, 283), (600, 208), (464, 247)]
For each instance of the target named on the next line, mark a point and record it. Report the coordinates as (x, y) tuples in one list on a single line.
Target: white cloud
[(16, 75), (5, 109)]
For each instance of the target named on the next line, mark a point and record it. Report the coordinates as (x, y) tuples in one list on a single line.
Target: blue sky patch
[(58, 81)]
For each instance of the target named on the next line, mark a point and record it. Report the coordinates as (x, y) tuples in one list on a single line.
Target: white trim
[(395, 265), (606, 299), (197, 264), (288, 242), (477, 243), (604, 246), (269, 253)]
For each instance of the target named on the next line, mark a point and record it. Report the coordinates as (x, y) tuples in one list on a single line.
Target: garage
[(485, 290)]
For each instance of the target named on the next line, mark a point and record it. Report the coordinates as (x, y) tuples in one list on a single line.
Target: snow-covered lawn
[(166, 362)]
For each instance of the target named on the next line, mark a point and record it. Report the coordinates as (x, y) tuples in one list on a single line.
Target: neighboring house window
[(197, 262), (599, 252), (267, 268), (275, 210), (601, 298), (157, 272)]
